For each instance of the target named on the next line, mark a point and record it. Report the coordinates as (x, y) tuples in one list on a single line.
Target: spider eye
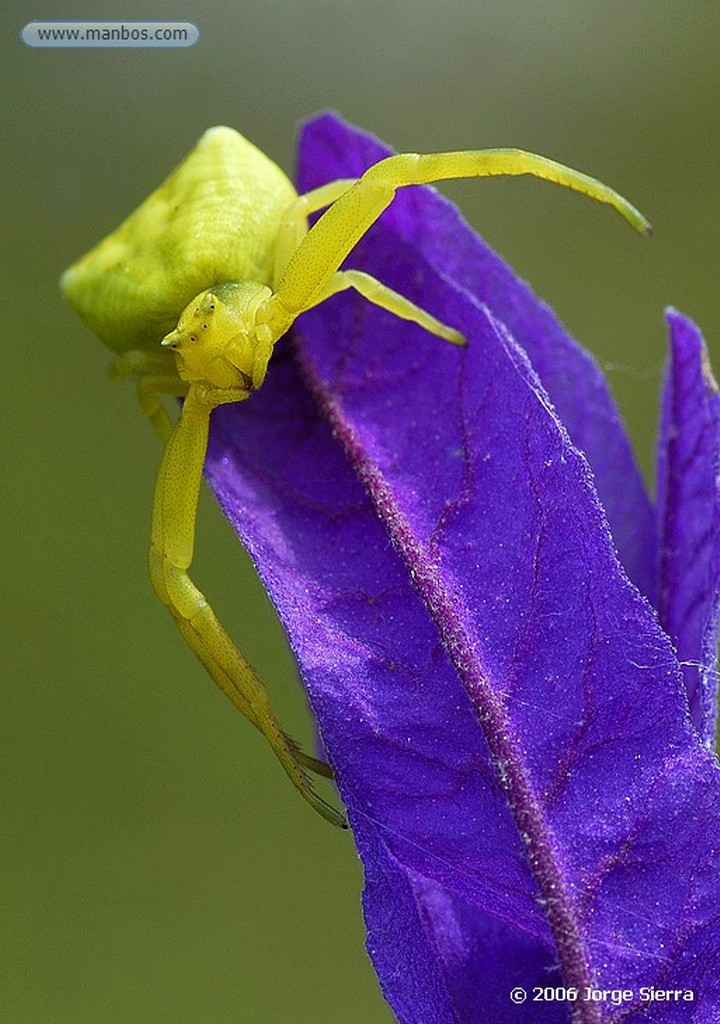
[(193, 337)]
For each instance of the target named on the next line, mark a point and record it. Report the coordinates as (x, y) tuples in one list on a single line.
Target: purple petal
[(377, 676), (689, 517), (505, 717), (330, 148)]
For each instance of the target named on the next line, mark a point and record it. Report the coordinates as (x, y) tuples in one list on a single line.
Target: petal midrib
[(449, 615)]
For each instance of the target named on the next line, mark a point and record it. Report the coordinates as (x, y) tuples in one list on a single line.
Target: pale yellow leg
[(156, 375), (293, 227), (380, 295), (171, 551), (135, 362), (149, 391), (329, 241)]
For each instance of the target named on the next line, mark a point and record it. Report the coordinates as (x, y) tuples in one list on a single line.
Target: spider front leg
[(320, 253), (171, 552), (294, 224), (380, 295), (274, 311)]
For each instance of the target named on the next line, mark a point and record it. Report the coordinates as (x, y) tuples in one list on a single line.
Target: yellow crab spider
[(193, 290)]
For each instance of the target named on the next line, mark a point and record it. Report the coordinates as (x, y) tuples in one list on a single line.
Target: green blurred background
[(156, 866)]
